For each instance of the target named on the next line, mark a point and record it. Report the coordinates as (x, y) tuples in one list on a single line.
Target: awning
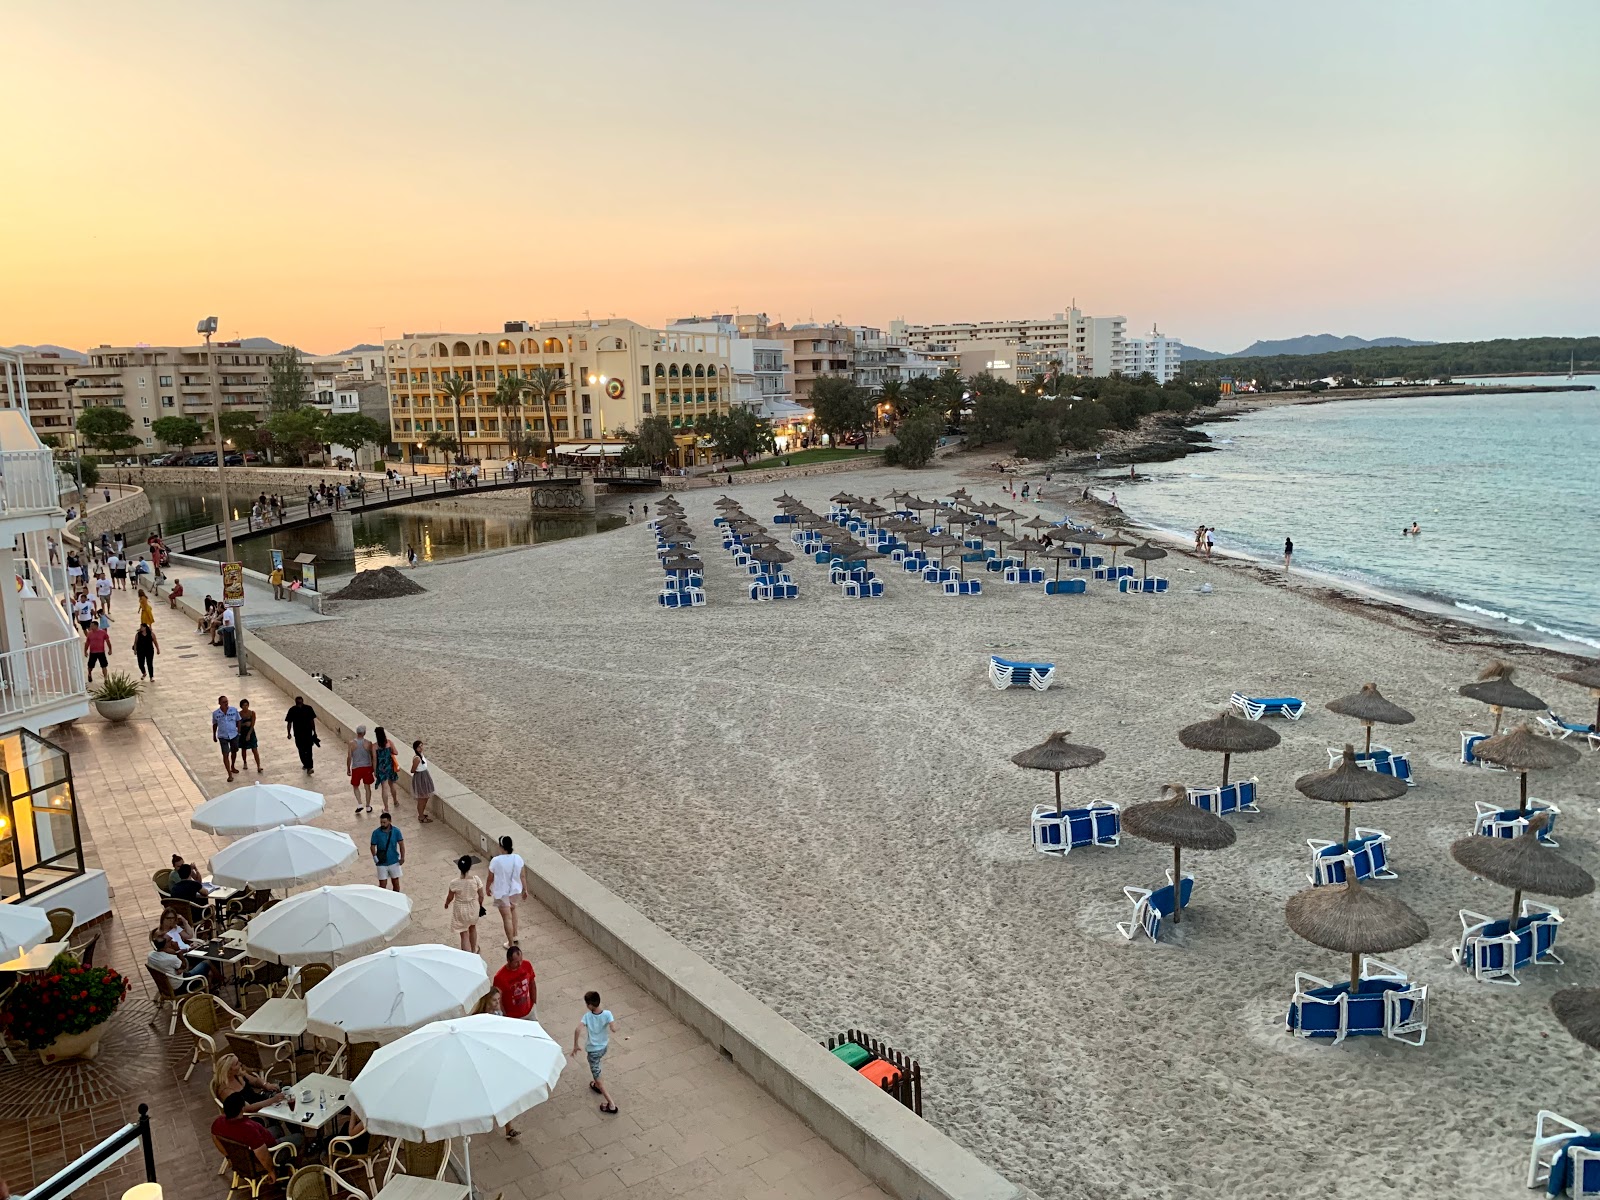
[(591, 450)]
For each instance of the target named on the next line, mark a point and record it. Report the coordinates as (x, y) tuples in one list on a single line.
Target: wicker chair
[(84, 952), (306, 978), (62, 922), (203, 1017), (426, 1160), (247, 1169), (363, 1152), (5, 994), (269, 977), (198, 915), (317, 1183), (263, 1058), (163, 881), (170, 994)]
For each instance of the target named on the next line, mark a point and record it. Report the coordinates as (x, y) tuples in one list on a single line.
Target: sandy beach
[(817, 796)]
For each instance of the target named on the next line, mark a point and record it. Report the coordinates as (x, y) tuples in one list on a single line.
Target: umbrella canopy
[(1038, 523), (1494, 688), (1227, 735), (1579, 1010), (1349, 783), (1055, 754), (1522, 750), (1027, 546), (328, 925), (1058, 553), (851, 551), (1116, 542), (381, 996), (940, 542), (682, 562), (1145, 553), (1173, 821), (771, 554), (842, 498), (22, 927), (255, 807), (1587, 677), (1369, 706), (1354, 920), (1523, 864), (786, 499), (282, 857)]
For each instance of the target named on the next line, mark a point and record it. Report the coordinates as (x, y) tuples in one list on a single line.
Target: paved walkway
[(691, 1124)]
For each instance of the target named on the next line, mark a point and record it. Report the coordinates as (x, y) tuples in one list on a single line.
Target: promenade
[(690, 1122)]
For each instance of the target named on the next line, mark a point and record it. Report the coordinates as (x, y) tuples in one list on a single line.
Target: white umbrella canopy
[(381, 996), (282, 857), (21, 929), (256, 807), (328, 925)]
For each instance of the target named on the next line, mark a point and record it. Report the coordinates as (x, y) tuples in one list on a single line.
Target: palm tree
[(508, 393), (543, 385), (456, 388), (894, 395)]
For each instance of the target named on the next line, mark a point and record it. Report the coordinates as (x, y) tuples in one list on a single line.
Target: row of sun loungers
[(1387, 1004)]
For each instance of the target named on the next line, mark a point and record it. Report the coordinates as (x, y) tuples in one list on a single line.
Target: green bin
[(853, 1056)]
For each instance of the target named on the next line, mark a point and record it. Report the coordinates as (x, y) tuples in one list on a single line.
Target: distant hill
[(1309, 343), (1195, 354), (47, 348), (364, 346), (1426, 360), (259, 343)]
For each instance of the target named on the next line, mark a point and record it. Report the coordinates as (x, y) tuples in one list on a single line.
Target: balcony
[(41, 682), (27, 477)]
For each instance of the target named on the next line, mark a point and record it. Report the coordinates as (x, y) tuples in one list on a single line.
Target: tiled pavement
[(691, 1123)]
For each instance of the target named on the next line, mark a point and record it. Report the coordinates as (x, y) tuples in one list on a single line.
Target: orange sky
[(313, 172)]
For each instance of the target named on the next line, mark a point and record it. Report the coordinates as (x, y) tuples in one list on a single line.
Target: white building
[(1155, 354), (882, 358), (1083, 345), (760, 376)]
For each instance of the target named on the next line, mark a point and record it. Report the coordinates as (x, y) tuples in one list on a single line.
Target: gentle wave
[(1563, 634)]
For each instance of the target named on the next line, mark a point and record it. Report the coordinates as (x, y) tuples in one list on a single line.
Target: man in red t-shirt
[(97, 644), (234, 1126), (519, 991)]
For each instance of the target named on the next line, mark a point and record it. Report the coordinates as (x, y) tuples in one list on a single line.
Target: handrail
[(79, 1172)]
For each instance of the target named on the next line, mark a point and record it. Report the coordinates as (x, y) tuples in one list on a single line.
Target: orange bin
[(880, 1073)]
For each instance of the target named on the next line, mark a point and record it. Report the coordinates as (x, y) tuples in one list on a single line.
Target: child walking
[(594, 1029)]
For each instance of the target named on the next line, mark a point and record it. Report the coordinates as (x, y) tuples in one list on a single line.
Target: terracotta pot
[(116, 710), (71, 1046)]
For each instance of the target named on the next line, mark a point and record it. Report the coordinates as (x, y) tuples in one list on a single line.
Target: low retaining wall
[(242, 481), (311, 599), (898, 1150), (774, 474), (131, 510)]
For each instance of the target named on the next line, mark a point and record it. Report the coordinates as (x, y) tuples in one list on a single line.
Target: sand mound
[(383, 584)]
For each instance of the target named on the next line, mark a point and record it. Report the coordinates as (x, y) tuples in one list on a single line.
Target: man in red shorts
[(358, 761)]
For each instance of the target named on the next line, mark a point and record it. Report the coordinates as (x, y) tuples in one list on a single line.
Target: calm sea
[(1505, 486)]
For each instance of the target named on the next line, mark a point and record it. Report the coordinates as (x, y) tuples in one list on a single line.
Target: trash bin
[(230, 647)]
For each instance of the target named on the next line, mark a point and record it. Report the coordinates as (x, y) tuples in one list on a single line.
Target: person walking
[(301, 722), (1211, 541), (422, 787), (463, 900), (225, 732), (385, 769), (594, 1030), (388, 851), (505, 887), (411, 556), (358, 762), (518, 988), (276, 579), (1288, 553), (146, 614), (248, 743), (102, 591), (145, 649), (97, 646), (83, 612)]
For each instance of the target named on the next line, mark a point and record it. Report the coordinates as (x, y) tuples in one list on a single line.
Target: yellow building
[(616, 373)]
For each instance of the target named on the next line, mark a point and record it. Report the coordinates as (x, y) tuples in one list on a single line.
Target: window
[(588, 428), (149, 441), (644, 404), (144, 401), (147, 422), (141, 381), (585, 403), (561, 424), (644, 376), (166, 381)]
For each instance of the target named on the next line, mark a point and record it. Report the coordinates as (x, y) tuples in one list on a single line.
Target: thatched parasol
[(842, 498), (940, 542), (1227, 735), (771, 554), (1058, 553), (1055, 754), (1587, 677), (1038, 523), (1523, 864), (1523, 750), (1349, 783), (786, 499), (1578, 1009), (1145, 553), (726, 502), (961, 493), (1368, 706), (1350, 919), (853, 551), (1494, 688), (682, 562), (1175, 822), (1116, 542), (1028, 546)]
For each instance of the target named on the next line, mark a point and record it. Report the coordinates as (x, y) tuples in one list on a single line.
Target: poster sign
[(233, 584), (277, 560), (308, 575)]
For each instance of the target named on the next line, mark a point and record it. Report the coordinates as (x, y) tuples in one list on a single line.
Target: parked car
[(250, 456), (201, 460), (233, 459), (162, 460)]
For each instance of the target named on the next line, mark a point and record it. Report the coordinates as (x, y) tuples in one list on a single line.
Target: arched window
[(462, 349), (552, 345), (688, 371), (503, 346), (699, 370), (440, 350), (660, 371), (672, 371), (723, 371), (483, 348)]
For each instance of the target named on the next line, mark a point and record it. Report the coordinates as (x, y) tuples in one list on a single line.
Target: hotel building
[(38, 380), (1153, 354), (1084, 345)]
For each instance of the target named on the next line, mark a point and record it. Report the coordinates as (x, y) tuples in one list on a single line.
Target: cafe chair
[(317, 1183), (425, 1160), (203, 1016), (362, 1151), (248, 1173), (170, 994), (264, 1058), (62, 922)]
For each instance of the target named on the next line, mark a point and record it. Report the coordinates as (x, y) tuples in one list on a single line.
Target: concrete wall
[(902, 1153), (772, 475), (242, 481)]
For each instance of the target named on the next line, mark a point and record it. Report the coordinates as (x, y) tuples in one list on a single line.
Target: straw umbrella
[(1116, 542), (1578, 1009), (771, 554), (683, 562), (1038, 523), (1349, 783), (1350, 919), (1227, 735), (1028, 546), (940, 542), (1523, 864), (1494, 688), (1058, 553), (1587, 677), (1522, 750), (1173, 821), (1055, 754), (1369, 706), (1145, 553)]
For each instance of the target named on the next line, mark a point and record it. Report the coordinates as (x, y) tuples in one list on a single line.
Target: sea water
[(1506, 488)]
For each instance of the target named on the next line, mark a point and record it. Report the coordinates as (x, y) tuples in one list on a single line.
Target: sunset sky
[(318, 172)]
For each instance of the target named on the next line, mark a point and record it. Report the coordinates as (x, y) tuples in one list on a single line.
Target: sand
[(817, 795)]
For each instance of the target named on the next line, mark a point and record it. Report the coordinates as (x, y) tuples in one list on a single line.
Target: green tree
[(840, 408), (951, 391), (443, 442), (178, 431), (916, 439), (656, 441), (288, 381), (354, 430), (456, 388), (895, 396), (543, 386), (243, 428), (106, 428), (298, 431), (1037, 440), (738, 434), (508, 395)]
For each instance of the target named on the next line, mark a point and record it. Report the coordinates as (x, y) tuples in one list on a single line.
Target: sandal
[(594, 1085), (608, 1108)]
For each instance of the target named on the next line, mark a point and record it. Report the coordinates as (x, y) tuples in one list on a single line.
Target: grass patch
[(802, 458)]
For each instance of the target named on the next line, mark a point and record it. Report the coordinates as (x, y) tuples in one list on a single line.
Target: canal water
[(380, 537)]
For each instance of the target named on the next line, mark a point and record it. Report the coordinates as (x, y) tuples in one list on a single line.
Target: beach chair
[(1560, 729), (761, 591), (1238, 796), (1062, 831), (1565, 1158), (1366, 854), (1066, 587), (963, 587), (1493, 951), (1469, 739), (1387, 1005), (1256, 707), (1509, 823), (1004, 673), (1381, 759), (1150, 908)]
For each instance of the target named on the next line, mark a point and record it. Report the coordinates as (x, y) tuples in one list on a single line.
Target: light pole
[(206, 327), (77, 444)]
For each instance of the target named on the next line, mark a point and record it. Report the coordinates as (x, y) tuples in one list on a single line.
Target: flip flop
[(608, 1108), (594, 1085)]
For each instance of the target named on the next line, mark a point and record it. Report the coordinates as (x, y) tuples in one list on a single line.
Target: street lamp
[(206, 327), (77, 445)]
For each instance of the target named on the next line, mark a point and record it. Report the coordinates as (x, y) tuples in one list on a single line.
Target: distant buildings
[(40, 379), (1153, 354), (1083, 345)]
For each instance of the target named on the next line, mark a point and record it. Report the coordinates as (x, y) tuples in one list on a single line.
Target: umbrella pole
[(1516, 903), (468, 1155), (1522, 807), (1368, 724), (1595, 694), (1226, 755), (1498, 713), (1058, 791), (1347, 826), (1355, 973), (1177, 884)]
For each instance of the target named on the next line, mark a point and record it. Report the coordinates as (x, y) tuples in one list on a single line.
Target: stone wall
[(865, 463), (129, 511), (241, 480)]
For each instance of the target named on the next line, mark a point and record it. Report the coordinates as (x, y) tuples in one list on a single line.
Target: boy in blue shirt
[(594, 1028)]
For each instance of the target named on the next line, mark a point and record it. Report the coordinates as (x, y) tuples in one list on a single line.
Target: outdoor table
[(313, 1117), (278, 1017), (412, 1187), (225, 953), (36, 959)]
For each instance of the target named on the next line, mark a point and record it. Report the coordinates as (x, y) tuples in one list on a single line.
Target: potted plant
[(117, 696), (62, 1012)]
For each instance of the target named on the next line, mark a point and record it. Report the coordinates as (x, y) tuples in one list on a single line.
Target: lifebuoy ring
[(614, 388)]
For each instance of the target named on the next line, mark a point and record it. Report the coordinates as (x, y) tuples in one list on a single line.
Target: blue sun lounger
[(1565, 1159), (1366, 854), (1151, 908), (1238, 796), (1387, 1004), (1004, 673), (962, 587), (1061, 832), (1066, 587), (1561, 729), (1382, 760), (1256, 707), (1510, 823), (1469, 739), (1493, 951), (1153, 585)]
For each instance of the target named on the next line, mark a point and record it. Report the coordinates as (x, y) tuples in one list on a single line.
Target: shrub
[(67, 998), (118, 685)]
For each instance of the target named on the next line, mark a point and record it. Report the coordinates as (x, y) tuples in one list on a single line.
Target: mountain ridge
[(1306, 343)]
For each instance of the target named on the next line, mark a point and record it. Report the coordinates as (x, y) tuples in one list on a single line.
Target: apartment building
[(1153, 354), (151, 382), (37, 380), (756, 361), (1003, 357), (1084, 345), (616, 371), (882, 358), (816, 352)]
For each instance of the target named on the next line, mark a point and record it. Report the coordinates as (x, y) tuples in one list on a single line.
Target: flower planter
[(72, 1046), (116, 710)]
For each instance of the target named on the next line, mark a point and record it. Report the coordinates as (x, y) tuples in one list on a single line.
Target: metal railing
[(28, 481), (37, 677), (105, 1155)]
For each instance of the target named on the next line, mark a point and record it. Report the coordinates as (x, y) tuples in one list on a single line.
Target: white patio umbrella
[(256, 807), (21, 929), (378, 997), (282, 857), (457, 1078), (328, 924)]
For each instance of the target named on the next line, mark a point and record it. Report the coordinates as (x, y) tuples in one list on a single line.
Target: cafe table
[(280, 1016), (413, 1187), (328, 1098), (37, 959)]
